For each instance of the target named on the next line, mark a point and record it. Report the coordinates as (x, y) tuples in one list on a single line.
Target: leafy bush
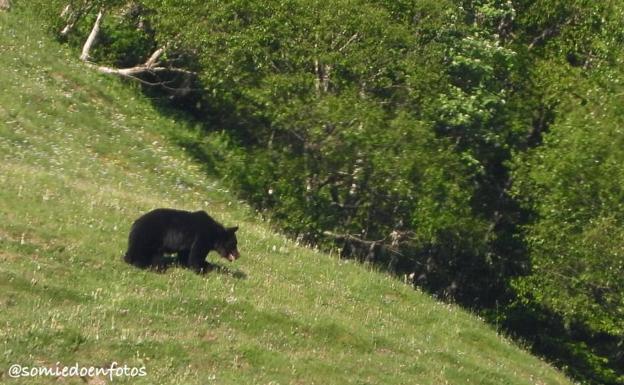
[(574, 185)]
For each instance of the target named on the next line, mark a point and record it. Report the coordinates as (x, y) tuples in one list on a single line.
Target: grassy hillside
[(81, 156)]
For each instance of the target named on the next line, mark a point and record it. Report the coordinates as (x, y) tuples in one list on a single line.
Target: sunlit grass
[(82, 155)]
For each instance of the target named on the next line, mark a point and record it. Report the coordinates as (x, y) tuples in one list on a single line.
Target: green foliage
[(584, 33), (574, 185), (336, 96), (571, 184)]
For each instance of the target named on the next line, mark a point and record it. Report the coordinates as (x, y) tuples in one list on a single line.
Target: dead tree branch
[(391, 248), (350, 237), (138, 70), (153, 60), (86, 48), (71, 20), (73, 12), (351, 40), (551, 32), (150, 67)]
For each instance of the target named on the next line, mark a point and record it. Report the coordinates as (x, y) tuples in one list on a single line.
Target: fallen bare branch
[(150, 66), (138, 70), (152, 59)]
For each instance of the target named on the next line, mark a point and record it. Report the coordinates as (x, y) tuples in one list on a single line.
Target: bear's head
[(226, 246)]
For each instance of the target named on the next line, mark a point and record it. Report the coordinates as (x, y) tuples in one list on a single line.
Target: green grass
[(82, 155)]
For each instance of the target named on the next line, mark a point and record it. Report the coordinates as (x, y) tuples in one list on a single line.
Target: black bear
[(191, 235)]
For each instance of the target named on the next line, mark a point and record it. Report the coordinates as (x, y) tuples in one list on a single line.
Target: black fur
[(190, 235)]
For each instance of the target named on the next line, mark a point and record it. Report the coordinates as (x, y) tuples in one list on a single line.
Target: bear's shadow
[(168, 262)]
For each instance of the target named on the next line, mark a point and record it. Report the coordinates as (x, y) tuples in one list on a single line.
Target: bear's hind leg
[(137, 260), (141, 257)]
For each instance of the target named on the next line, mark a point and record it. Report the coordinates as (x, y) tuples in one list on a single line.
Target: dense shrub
[(573, 183)]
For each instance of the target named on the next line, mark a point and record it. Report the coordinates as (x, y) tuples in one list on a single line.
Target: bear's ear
[(232, 229)]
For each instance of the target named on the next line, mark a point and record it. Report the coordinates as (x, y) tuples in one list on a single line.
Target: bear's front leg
[(183, 257), (197, 258)]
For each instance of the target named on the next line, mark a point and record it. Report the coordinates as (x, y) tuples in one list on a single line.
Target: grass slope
[(81, 156)]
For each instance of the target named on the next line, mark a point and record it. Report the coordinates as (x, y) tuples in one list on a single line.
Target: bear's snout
[(233, 255)]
